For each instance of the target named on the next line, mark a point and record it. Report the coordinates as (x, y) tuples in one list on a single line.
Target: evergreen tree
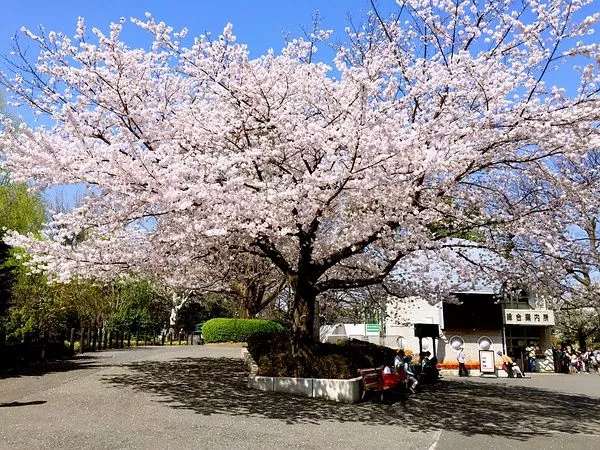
[(20, 210)]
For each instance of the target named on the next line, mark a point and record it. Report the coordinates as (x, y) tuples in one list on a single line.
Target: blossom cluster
[(426, 126)]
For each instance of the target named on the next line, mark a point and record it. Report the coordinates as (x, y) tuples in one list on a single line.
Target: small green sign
[(372, 328)]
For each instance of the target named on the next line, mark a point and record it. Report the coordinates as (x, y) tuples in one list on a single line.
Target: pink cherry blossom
[(425, 126)]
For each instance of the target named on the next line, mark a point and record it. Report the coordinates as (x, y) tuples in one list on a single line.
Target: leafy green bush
[(260, 344), (272, 353), (236, 330), (333, 366), (363, 354), (134, 313), (76, 346)]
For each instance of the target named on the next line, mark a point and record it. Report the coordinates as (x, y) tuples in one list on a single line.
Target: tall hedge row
[(237, 330)]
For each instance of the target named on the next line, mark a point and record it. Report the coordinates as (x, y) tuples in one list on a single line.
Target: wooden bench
[(375, 381)]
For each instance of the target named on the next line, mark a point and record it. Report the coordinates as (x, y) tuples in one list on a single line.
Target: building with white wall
[(479, 319), (475, 315)]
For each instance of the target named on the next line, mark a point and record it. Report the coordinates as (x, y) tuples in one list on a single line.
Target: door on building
[(517, 338)]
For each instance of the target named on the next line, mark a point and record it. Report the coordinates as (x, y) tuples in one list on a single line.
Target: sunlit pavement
[(196, 397)]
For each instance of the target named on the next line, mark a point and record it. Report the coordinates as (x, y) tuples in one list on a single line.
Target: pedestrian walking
[(462, 359)]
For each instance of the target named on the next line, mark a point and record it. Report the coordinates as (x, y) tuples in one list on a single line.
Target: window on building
[(456, 342), (401, 341), (484, 343), (518, 337), (519, 300)]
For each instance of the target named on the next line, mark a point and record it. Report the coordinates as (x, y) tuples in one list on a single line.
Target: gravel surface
[(196, 397)]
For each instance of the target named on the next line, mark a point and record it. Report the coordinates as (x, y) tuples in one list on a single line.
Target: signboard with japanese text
[(486, 361), (529, 317)]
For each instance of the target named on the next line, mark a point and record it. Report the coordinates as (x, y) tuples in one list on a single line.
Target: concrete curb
[(342, 391), (477, 373)]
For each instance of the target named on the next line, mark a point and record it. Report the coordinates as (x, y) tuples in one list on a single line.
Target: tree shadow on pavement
[(16, 404), (218, 386), (42, 368)]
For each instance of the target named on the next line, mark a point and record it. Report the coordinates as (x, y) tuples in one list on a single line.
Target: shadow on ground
[(42, 368), (218, 386), (90, 360), (16, 404)]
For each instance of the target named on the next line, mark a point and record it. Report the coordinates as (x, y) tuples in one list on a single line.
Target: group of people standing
[(569, 360), (566, 360)]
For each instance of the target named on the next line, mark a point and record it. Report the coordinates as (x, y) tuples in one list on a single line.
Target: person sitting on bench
[(410, 375)]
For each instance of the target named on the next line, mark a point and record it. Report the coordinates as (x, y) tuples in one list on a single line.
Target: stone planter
[(343, 391)]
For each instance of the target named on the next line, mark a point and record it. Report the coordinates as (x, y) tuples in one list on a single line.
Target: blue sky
[(259, 23)]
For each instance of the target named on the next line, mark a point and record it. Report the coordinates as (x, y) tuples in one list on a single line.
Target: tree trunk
[(582, 344), (252, 301), (89, 337), (82, 340), (303, 316), (100, 334), (382, 332), (94, 336), (71, 342), (45, 339), (253, 296)]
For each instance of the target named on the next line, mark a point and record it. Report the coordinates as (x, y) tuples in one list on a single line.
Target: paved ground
[(195, 397)]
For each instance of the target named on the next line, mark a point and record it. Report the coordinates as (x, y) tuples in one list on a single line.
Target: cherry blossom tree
[(567, 264), (567, 267), (254, 284), (332, 174)]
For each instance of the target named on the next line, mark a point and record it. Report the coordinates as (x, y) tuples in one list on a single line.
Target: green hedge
[(272, 353), (236, 330)]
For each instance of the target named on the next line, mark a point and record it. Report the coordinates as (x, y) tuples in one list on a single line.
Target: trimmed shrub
[(236, 330), (362, 354), (264, 344), (272, 353), (333, 366)]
